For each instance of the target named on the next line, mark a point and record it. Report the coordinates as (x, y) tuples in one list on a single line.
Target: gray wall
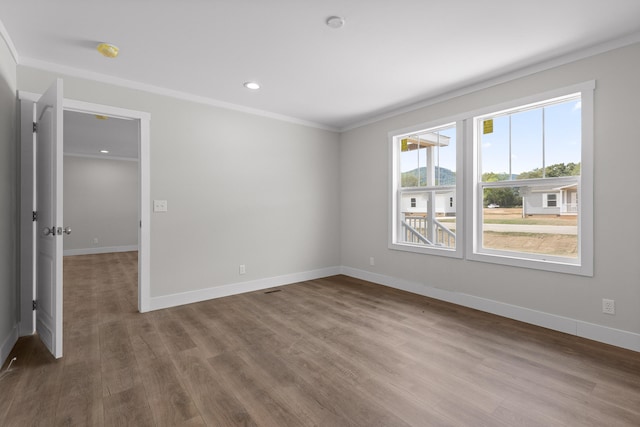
[(8, 200), (284, 198), (100, 202), (365, 153), (241, 189)]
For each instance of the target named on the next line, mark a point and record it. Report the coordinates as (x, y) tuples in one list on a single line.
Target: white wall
[(241, 189), (8, 202), (100, 202), (365, 153)]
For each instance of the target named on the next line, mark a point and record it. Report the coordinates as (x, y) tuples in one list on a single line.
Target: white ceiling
[(390, 54), (86, 135)]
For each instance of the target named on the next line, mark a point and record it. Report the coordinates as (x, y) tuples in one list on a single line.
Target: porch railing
[(411, 234), (570, 207), (415, 229)]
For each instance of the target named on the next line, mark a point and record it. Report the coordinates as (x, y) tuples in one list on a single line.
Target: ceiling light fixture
[(252, 85), (104, 151), (335, 22), (108, 50)]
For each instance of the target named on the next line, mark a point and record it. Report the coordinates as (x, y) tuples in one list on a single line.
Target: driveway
[(525, 228)]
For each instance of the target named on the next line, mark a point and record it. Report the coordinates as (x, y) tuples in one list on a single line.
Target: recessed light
[(252, 85), (104, 151), (335, 22), (108, 50)]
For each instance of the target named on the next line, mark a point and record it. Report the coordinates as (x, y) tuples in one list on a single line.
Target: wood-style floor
[(330, 352)]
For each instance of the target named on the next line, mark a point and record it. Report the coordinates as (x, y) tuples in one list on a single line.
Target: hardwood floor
[(330, 352)]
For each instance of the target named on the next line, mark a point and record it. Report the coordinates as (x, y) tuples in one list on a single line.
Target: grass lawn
[(514, 216), (538, 243), (530, 221)]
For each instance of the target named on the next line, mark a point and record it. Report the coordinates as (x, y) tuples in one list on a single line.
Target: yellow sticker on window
[(404, 146), (487, 126)]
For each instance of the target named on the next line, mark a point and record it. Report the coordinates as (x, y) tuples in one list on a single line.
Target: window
[(528, 194), (551, 201), (425, 189), (532, 164)]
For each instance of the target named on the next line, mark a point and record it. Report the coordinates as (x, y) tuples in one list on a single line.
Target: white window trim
[(545, 200), (584, 262), (394, 194), (469, 205)]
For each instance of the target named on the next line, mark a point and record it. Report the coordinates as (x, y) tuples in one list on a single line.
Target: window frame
[(468, 188), (395, 191), (546, 200), (583, 265)]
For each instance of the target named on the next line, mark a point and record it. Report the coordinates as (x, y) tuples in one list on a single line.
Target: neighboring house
[(550, 200), (430, 176), (417, 203)]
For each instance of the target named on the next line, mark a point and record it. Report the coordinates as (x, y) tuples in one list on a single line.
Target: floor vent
[(275, 290)]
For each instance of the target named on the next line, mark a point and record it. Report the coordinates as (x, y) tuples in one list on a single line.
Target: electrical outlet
[(242, 269), (608, 306), (159, 205), (95, 240), (372, 261)]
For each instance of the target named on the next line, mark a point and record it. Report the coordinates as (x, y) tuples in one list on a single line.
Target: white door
[(49, 226)]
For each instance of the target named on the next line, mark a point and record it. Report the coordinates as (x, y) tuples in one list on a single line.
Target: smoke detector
[(335, 22)]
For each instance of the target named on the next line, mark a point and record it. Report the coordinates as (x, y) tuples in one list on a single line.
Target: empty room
[(296, 213)]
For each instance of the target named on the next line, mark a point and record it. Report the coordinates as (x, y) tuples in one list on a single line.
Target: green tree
[(553, 171), (409, 179), (494, 177), (507, 197), (444, 176), (510, 197)]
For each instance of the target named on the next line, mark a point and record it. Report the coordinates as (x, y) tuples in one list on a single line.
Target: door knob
[(67, 230), (49, 230)]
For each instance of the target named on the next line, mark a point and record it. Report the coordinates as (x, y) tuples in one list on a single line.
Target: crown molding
[(503, 78), (7, 40), (430, 100), (157, 90), (101, 157)]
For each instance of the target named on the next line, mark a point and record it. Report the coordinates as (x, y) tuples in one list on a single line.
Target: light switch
[(159, 205)]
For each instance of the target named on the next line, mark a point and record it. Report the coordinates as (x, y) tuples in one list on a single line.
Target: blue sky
[(562, 141), (445, 157)]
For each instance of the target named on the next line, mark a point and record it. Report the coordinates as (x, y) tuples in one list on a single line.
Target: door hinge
[(35, 127), (34, 304), (34, 217)]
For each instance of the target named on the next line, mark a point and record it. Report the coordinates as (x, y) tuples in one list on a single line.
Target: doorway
[(142, 223), (142, 119), (100, 184)]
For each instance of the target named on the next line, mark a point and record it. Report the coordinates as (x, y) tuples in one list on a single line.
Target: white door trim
[(144, 244), (144, 288)]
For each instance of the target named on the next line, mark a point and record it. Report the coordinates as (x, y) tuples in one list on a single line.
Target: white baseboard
[(8, 343), (102, 250), (238, 288), (607, 335), (616, 337)]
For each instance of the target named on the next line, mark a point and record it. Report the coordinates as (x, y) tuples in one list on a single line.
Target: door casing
[(27, 194)]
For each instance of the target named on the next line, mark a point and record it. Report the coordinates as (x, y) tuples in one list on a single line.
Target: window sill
[(552, 264), (426, 250)]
